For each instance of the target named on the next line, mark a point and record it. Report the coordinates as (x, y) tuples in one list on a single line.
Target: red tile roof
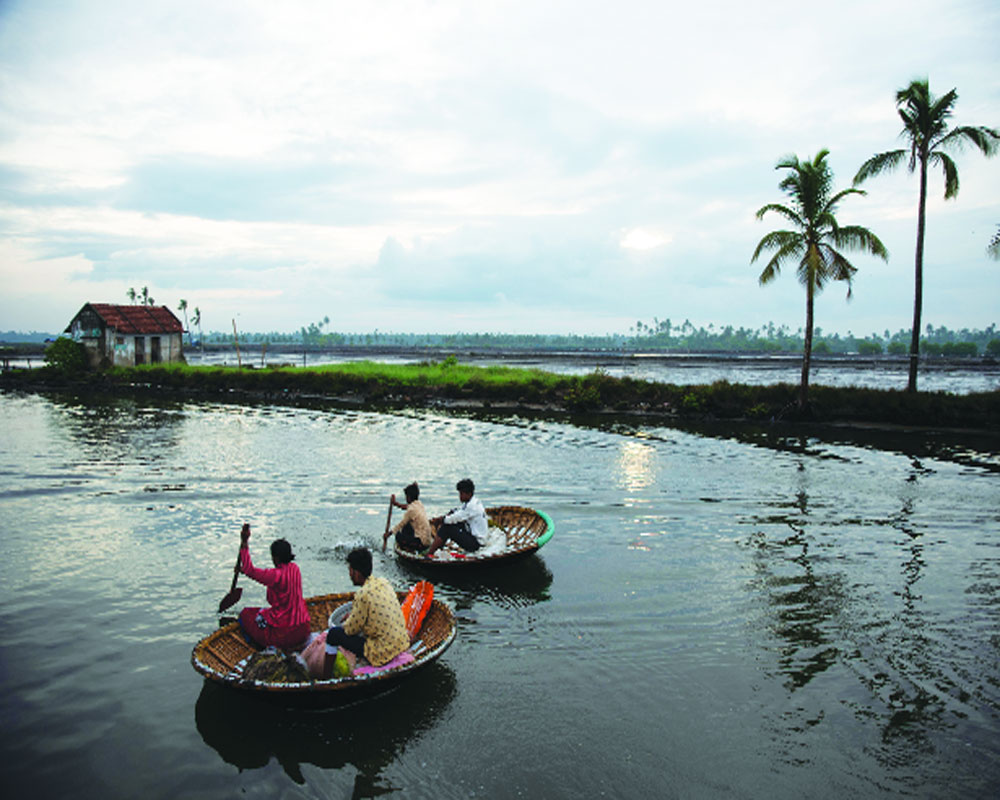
[(138, 319)]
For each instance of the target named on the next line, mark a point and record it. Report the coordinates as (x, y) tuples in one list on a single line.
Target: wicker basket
[(525, 529), (222, 655)]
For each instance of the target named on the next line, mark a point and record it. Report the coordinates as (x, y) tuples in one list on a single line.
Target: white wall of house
[(120, 349), (164, 348)]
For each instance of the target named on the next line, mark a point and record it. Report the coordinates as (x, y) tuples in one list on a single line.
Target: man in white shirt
[(466, 525)]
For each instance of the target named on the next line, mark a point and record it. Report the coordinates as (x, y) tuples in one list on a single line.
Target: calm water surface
[(720, 614)]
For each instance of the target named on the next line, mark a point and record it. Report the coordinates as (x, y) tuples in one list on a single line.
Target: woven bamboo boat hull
[(222, 655), (526, 530)]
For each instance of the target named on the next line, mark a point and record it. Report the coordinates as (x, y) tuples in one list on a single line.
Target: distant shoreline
[(252, 353)]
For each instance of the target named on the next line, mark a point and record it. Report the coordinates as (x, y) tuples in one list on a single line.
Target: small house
[(124, 336)]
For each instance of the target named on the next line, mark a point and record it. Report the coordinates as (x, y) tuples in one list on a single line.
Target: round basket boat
[(515, 531), (223, 655)]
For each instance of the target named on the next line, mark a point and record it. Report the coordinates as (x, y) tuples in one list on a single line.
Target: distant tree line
[(658, 336)]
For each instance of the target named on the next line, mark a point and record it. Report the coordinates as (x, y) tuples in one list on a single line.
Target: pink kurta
[(284, 592)]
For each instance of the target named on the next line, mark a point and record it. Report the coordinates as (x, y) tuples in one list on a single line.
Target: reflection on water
[(636, 465), (806, 600), (371, 734), (887, 640), (111, 429), (518, 583)]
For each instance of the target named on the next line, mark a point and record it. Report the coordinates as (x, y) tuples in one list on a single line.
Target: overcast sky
[(565, 167)]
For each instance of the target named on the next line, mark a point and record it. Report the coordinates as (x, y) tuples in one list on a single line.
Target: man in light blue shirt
[(466, 525)]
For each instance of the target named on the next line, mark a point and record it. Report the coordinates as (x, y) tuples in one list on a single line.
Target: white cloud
[(307, 159), (639, 239)]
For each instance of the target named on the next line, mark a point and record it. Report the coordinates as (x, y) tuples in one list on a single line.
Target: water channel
[(722, 613)]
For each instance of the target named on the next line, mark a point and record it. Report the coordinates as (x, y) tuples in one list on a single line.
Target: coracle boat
[(224, 655), (515, 531)]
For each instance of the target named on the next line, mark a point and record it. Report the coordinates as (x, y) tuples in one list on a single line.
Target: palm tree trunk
[(918, 280), (806, 350)]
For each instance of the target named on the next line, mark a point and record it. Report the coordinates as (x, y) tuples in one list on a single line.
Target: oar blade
[(231, 599)]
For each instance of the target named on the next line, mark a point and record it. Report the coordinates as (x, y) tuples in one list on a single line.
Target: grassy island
[(500, 389)]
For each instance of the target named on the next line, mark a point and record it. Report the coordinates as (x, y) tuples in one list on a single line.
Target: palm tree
[(182, 307), (130, 294), (813, 241), (993, 250), (196, 320), (145, 295), (925, 126)]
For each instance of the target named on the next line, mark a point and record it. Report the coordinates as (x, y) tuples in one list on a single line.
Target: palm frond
[(788, 250), (788, 213), (938, 157), (940, 110), (829, 210), (788, 162), (987, 140), (777, 240), (825, 221), (857, 237), (817, 162), (919, 89), (831, 204), (993, 248), (879, 163), (838, 268)]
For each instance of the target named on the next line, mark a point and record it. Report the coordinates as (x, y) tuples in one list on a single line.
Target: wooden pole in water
[(236, 339)]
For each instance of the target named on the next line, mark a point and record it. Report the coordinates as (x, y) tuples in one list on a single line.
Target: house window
[(120, 341)]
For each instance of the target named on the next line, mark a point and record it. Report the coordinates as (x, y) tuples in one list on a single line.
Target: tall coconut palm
[(196, 320), (812, 243), (925, 127), (130, 294), (182, 307)]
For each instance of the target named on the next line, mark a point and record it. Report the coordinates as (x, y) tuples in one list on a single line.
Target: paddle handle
[(236, 574), (244, 537), (388, 519)]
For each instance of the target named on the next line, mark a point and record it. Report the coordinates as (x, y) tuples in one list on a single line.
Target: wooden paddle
[(235, 594), (388, 519)]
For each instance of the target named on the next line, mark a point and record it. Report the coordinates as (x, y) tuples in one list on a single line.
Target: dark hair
[(466, 485), (360, 559), (281, 552), (412, 492)]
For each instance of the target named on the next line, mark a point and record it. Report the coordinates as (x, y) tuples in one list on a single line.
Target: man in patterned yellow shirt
[(375, 628)]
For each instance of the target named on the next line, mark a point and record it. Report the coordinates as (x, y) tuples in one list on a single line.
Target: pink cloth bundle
[(403, 658)]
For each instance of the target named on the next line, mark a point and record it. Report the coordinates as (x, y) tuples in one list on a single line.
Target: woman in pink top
[(285, 623)]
